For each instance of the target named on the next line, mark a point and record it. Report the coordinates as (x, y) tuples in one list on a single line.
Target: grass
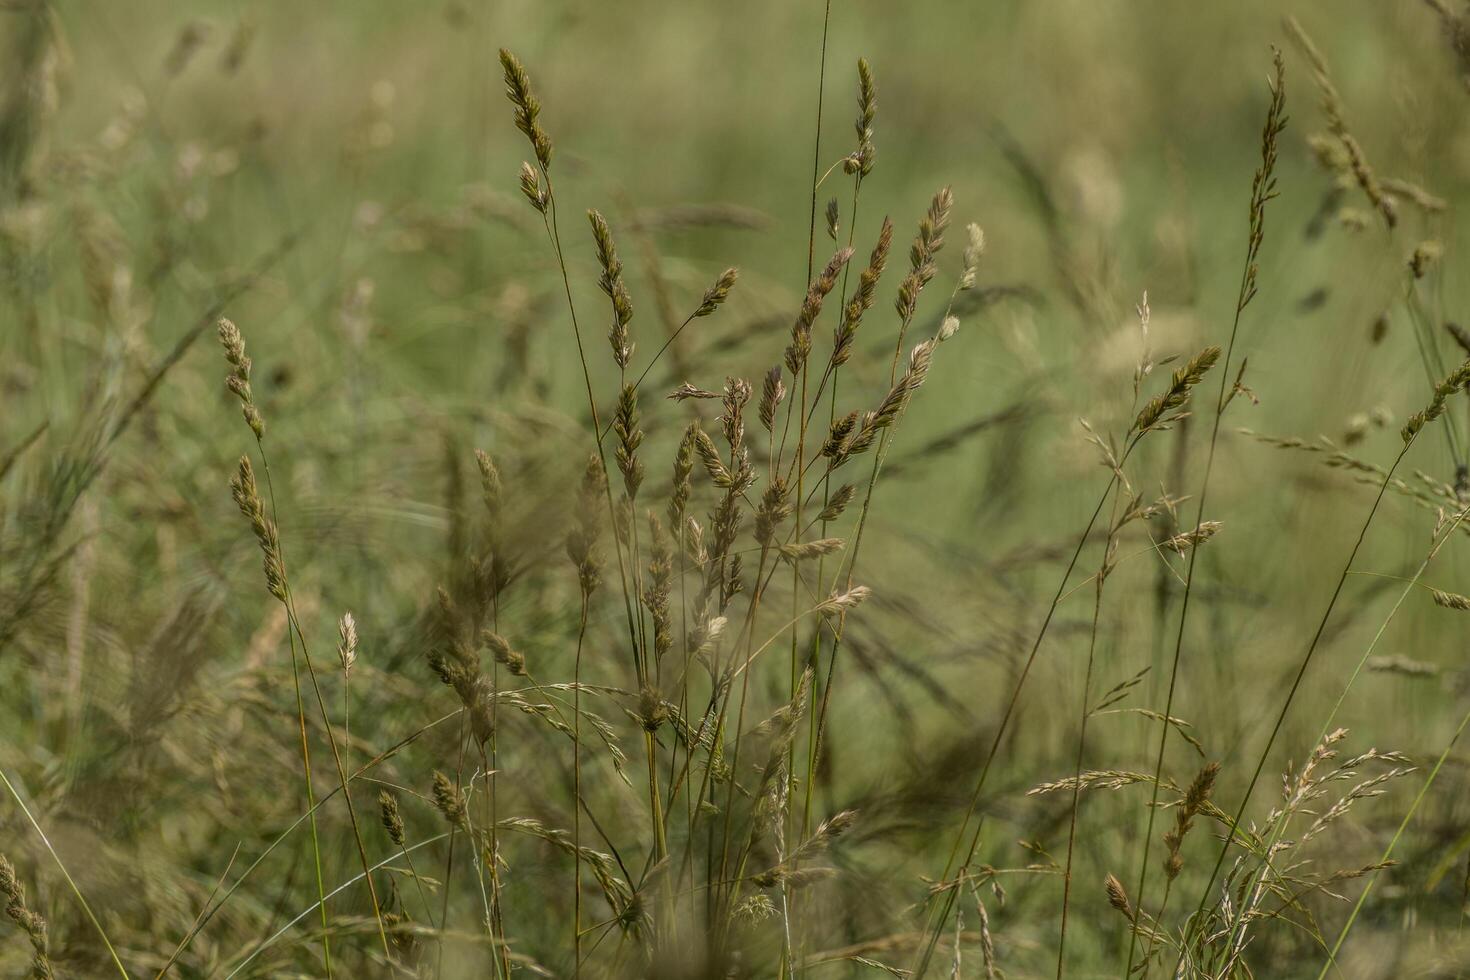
[(716, 590)]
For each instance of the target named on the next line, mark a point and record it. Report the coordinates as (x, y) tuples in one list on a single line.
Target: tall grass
[(792, 633)]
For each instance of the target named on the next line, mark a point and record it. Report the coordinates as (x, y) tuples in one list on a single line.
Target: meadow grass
[(592, 549)]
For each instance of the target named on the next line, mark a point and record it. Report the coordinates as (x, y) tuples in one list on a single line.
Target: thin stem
[(1084, 714), (932, 940), (1290, 696), (1199, 517), (292, 622), (577, 793), (71, 883)]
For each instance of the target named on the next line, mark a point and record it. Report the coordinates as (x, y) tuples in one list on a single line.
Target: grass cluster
[(581, 605)]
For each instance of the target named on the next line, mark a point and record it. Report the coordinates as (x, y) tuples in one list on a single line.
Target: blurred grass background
[(152, 154)]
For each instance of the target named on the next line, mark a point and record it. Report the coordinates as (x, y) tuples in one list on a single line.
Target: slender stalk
[(1393, 843), (786, 948), (316, 852), (577, 793), (209, 913), (1084, 713), (294, 622), (1263, 190), (71, 883), (262, 947), (1229, 837), (932, 931)]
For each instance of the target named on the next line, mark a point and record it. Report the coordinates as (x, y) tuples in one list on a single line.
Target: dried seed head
[(709, 455), (844, 601), (652, 710), (803, 550), (449, 800), (896, 400), (490, 486), (837, 503), (500, 649), (861, 160), (862, 297), (527, 108), (611, 283), (832, 218), (531, 188), (922, 252), (247, 497), (682, 488), (773, 392), (1426, 254), (1263, 184), (659, 586), (238, 380), (347, 642), (582, 539), (811, 308), (1117, 897), (973, 250), (838, 434), (1189, 539), (392, 819), (716, 295), (773, 509), (1194, 800), (687, 390), (1450, 600), (32, 924), (626, 425), (1457, 381), (1166, 408)]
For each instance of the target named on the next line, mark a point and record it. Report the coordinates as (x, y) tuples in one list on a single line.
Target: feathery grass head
[(527, 107), (449, 800), (1457, 381), (862, 297), (773, 393), (238, 380), (1451, 600), (1117, 897), (492, 492), (247, 497), (582, 539), (531, 189), (1426, 254), (837, 503), (811, 308), (391, 818), (861, 160), (837, 435), (715, 296), (843, 602), (681, 487), (347, 642), (922, 252), (653, 711), (626, 424), (659, 586), (1263, 184), (29, 922), (500, 648), (774, 509), (805, 550), (1194, 800), (611, 283), (1167, 408)]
